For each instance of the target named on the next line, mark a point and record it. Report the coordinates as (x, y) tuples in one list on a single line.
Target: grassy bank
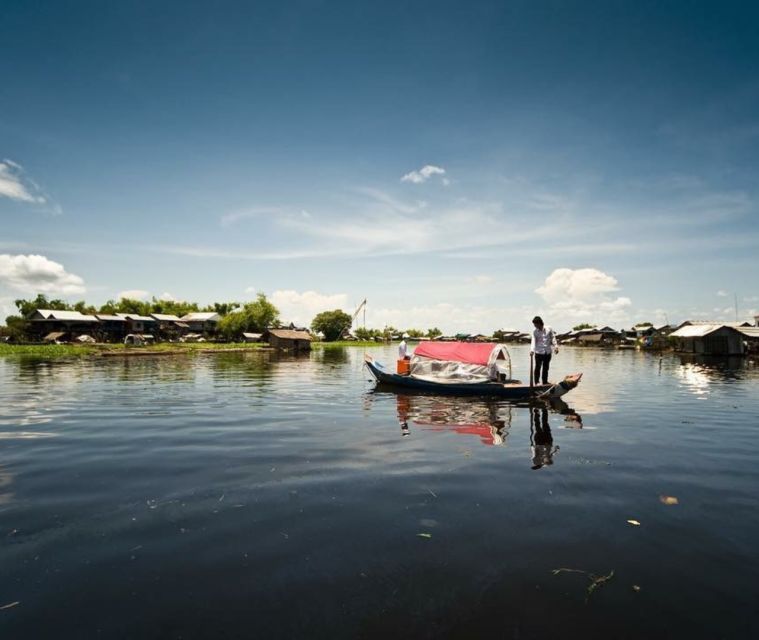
[(346, 343), (89, 350)]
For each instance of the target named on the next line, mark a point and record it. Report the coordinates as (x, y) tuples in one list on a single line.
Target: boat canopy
[(460, 361)]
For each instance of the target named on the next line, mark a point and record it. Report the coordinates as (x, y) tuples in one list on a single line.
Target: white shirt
[(402, 348), (543, 340)]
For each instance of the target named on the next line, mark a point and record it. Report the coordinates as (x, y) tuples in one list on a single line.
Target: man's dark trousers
[(542, 361)]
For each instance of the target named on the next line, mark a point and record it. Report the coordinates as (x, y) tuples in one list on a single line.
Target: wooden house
[(288, 339), (709, 339)]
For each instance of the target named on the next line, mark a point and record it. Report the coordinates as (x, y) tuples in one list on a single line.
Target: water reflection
[(541, 440), (490, 420)]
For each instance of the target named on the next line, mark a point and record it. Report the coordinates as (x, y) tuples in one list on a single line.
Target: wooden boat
[(512, 389)]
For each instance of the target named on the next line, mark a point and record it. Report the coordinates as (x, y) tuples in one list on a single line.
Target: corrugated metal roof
[(751, 332), (165, 317), (289, 334), (136, 317), (697, 330), (200, 316), (110, 318), (54, 314)]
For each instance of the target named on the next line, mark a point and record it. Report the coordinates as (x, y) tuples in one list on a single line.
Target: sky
[(463, 165)]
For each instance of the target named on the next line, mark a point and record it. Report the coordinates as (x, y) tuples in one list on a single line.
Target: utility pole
[(736, 306)]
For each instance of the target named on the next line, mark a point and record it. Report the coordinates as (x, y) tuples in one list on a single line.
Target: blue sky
[(586, 161)]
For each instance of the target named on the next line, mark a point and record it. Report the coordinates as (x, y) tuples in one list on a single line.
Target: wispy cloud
[(16, 184), (37, 274), (229, 219), (424, 174)]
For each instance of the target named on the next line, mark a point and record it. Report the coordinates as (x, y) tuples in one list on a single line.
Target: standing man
[(542, 344)]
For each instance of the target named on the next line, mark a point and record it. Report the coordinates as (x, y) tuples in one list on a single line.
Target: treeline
[(236, 317)]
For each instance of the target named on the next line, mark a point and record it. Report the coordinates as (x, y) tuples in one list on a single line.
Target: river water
[(250, 495)]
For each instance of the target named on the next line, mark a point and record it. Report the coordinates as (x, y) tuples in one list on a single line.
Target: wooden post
[(531, 365)]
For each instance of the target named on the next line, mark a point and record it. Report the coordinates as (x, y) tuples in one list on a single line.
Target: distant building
[(169, 326), (72, 323), (135, 323), (252, 337), (288, 339), (201, 321), (709, 339), (111, 328)]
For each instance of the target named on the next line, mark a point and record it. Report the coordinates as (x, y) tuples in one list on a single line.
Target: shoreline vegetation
[(53, 351)]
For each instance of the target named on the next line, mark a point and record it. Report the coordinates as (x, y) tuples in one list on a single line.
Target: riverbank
[(55, 351)]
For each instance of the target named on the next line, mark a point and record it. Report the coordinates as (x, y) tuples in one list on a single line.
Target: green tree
[(367, 334), (331, 323), (582, 326), (177, 308), (222, 308), (415, 333), (254, 316), (434, 333), (27, 307), (130, 305), (83, 307), (15, 328)]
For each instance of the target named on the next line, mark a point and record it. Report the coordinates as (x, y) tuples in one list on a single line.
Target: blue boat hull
[(512, 391)]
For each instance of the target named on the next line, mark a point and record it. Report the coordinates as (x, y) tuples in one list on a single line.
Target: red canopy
[(469, 352)]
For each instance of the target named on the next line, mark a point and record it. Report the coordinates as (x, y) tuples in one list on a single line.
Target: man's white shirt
[(543, 340)]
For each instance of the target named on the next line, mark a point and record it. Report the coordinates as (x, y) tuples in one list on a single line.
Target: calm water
[(256, 496)]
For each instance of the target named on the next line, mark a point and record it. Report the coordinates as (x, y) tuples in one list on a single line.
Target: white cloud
[(167, 297), (424, 174), (134, 294), (300, 308), (583, 294), (14, 184), (483, 279), (250, 289), (722, 293), (37, 274)]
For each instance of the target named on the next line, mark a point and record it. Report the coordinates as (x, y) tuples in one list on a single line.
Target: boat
[(461, 368)]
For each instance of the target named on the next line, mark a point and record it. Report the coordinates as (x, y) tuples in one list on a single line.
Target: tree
[(582, 326), (222, 308), (414, 333), (83, 307), (434, 333), (331, 323), (27, 307), (254, 317), (173, 307), (15, 328), (130, 305)]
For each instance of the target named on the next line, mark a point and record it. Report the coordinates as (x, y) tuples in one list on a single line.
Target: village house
[(169, 326), (712, 338), (288, 339), (111, 328), (136, 323), (201, 321), (69, 324)]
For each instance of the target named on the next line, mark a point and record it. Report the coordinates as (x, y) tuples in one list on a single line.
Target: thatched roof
[(289, 334)]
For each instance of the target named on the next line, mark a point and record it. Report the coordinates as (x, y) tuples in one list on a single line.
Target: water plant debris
[(596, 582)]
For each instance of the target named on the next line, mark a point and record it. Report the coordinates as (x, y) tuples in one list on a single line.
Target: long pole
[(531, 365)]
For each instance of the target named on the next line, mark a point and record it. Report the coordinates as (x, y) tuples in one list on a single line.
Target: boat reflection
[(489, 419)]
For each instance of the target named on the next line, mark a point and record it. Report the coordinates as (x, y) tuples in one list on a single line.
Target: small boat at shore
[(477, 369)]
